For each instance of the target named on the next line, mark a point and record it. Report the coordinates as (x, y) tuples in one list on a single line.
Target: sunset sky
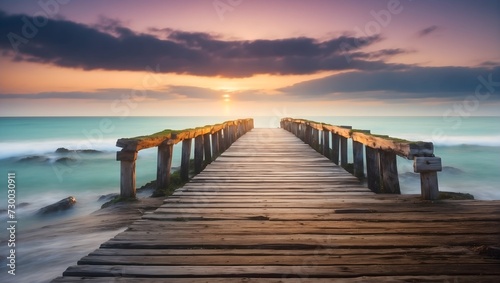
[(249, 57)]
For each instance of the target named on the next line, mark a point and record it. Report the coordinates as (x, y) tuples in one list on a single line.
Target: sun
[(226, 99)]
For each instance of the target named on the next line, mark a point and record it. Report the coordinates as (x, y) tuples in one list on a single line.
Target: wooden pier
[(273, 209)]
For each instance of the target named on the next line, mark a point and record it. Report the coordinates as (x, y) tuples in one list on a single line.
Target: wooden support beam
[(326, 144), (320, 141), (215, 145), (428, 167), (343, 152), (343, 148), (222, 143), (164, 165), (389, 169), (426, 164), (198, 154), (373, 169), (335, 148), (127, 173), (429, 185), (239, 131), (358, 166), (207, 149), (227, 137), (307, 134), (234, 132), (315, 139), (186, 154), (358, 158)]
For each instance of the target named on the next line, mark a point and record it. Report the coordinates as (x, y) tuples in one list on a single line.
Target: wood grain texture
[(272, 209)]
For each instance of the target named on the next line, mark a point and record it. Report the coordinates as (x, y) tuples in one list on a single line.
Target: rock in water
[(34, 158), (65, 150), (108, 197), (63, 204), (66, 160)]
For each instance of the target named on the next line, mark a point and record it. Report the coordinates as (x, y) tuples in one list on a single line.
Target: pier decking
[(272, 209)]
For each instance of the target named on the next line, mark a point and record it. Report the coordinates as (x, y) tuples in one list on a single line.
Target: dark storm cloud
[(101, 94), (428, 30), (414, 82), (167, 93), (109, 45), (379, 54)]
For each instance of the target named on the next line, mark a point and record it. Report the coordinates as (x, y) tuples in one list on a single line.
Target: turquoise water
[(469, 148)]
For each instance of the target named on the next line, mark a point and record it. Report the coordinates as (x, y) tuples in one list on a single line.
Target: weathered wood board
[(272, 209)]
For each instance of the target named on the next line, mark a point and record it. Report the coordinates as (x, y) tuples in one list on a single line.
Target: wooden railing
[(380, 151), (209, 142)]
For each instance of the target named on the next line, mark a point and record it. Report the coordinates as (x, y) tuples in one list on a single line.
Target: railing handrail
[(380, 151), (174, 136), (209, 142), (403, 148)]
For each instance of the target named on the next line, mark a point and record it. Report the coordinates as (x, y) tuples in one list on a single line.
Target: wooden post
[(321, 141), (207, 148), (234, 131), (186, 154), (164, 165), (326, 144), (358, 166), (304, 132), (357, 153), (221, 142), (335, 148), (241, 130), (315, 138), (373, 169), (198, 154), (343, 149), (215, 145), (307, 134), (227, 137), (389, 169), (127, 173), (428, 167), (242, 127), (238, 131)]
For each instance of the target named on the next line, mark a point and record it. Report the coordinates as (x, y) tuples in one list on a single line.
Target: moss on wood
[(455, 196)]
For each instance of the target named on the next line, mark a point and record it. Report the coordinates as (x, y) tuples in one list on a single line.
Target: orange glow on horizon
[(45, 78)]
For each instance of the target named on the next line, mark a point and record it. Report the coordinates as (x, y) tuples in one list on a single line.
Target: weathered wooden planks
[(298, 279), (274, 210), (382, 177), (279, 271)]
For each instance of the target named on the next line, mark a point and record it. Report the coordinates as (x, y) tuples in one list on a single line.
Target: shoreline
[(63, 243)]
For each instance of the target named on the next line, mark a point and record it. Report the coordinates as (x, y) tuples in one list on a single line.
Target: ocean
[(469, 148)]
